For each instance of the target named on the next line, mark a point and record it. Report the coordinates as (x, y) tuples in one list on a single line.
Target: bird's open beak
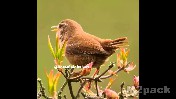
[(55, 28)]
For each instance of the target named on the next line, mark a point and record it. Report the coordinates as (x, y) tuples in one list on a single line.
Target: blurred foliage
[(102, 18)]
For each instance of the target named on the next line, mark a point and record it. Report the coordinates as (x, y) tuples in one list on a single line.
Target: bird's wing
[(85, 46)]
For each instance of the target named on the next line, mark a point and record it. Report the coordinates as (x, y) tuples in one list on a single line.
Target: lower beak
[(55, 28)]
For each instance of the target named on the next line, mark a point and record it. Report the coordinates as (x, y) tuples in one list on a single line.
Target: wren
[(83, 48)]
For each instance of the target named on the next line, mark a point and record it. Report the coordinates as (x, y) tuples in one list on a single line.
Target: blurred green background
[(103, 18)]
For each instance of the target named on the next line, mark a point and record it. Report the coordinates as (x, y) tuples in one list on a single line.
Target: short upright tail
[(112, 45), (119, 42)]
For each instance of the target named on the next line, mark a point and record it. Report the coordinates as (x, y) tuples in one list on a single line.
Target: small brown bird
[(83, 48)]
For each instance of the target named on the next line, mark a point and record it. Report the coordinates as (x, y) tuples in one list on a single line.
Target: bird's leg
[(96, 72)]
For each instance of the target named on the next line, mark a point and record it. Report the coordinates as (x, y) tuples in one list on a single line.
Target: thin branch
[(61, 89), (71, 90), (72, 70), (63, 74), (74, 78), (121, 89), (108, 76), (42, 90), (65, 96), (110, 66), (99, 77), (69, 84), (94, 97), (104, 95), (117, 71), (83, 94), (89, 78), (39, 95), (82, 85), (96, 85), (67, 73)]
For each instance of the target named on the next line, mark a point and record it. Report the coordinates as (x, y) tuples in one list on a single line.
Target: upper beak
[(55, 28)]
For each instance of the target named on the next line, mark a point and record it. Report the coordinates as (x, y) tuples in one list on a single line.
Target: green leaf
[(51, 90), (58, 54), (57, 42), (50, 47), (62, 51)]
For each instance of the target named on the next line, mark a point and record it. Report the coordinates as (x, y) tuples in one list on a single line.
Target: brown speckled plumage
[(83, 48)]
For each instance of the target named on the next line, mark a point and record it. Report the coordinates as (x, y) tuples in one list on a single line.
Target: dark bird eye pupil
[(61, 25)]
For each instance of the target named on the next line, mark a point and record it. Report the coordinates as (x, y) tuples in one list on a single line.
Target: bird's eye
[(62, 25)]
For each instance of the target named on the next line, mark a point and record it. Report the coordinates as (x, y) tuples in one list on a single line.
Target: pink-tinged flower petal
[(112, 72), (122, 50), (95, 73), (87, 86), (90, 65), (136, 82), (110, 94), (130, 67), (56, 61), (86, 69), (91, 93), (86, 89)]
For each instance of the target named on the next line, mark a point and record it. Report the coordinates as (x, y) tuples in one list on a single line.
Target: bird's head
[(67, 28)]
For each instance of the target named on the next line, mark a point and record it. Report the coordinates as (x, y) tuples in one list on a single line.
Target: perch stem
[(74, 78), (83, 94), (71, 90), (82, 85), (96, 88), (61, 89), (42, 90), (89, 78), (110, 66), (66, 73), (121, 88), (63, 74), (97, 78), (117, 71), (65, 96), (108, 76)]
